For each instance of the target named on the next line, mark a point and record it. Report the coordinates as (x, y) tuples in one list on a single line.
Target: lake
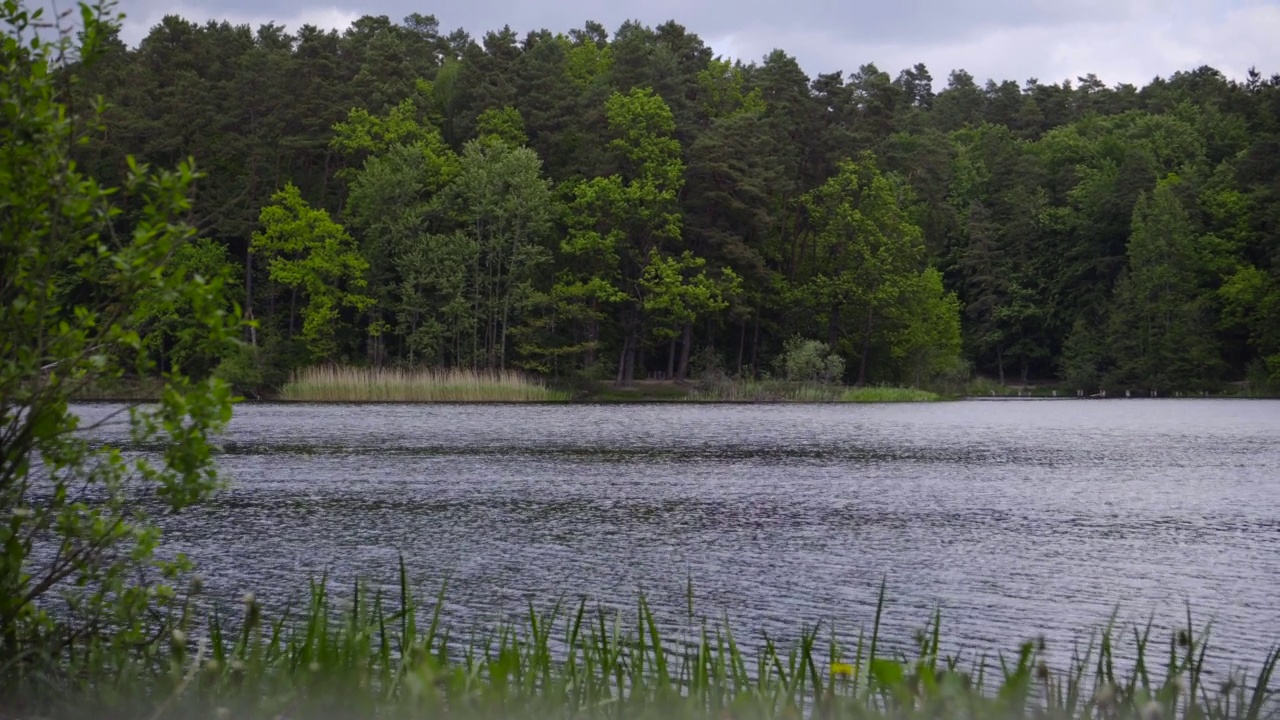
[(1016, 517)]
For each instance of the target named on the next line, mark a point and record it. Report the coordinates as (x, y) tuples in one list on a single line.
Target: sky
[(1121, 41)]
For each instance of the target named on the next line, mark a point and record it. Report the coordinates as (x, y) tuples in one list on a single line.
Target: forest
[(599, 206)]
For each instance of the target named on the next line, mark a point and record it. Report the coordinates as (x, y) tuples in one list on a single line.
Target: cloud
[(1052, 40), (142, 16), (1134, 46)]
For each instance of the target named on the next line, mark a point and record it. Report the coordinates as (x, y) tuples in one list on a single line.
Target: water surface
[(1017, 518)]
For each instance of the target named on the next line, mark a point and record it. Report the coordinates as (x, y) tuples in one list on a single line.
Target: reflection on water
[(1016, 517)]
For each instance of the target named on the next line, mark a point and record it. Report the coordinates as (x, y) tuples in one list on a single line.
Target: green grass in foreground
[(372, 662), (779, 391), (349, 384)]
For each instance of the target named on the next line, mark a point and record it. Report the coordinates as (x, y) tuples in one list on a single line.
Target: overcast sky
[(1052, 40)]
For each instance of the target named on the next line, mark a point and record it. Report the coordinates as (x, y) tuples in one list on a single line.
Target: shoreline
[(656, 392), (624, 396)]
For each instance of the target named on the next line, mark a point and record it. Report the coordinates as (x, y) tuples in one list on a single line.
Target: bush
[(242, 369), (78, 569), (810, 361), (708, 367), (1262, 377)]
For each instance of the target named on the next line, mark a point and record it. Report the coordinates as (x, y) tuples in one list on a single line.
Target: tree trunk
[(475, 315), (593, 335), (671, 358), (271, 302), (833, 328), (686, 342), (1026, 370), (1000, 362), (413, 327), (755, 347), (293, 304), (622, 361), (502, 339), (248, 299), (324, 179), (630, 376), (742, 344), (866, 349)]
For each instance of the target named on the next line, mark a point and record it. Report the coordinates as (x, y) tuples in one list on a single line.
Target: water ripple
[(1016, 518)]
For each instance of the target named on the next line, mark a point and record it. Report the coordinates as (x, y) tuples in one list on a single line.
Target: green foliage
[(307, 251), (364, 132), (400, 129), (678, 289), (1000, 215), (1161, 329), (434, 308), (454, 242), (926, 337), (643, 128), (1250, 303), (868, 275), (396, 656), (785, 391), (504, 207), (619, 223), (810, 361), (502, 125), (587, 61), (1022, 196), (165, 316), (887, 394), (725, 88), (89, 298), (1085, 356), (394, 207)]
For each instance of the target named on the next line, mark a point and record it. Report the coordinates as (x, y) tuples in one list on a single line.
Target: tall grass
[(350, 384), (881, 394), (780, 391), (370, 660)]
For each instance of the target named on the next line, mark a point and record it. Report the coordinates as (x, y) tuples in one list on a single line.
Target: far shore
[(670, 391)]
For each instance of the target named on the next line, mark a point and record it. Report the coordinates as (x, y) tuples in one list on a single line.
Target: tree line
[(632, 205)]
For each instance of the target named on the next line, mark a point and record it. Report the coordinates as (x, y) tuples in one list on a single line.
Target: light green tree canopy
[(307, 251), (866, 265), (617, 222)]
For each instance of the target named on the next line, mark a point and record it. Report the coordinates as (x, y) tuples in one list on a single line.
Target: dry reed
[(352, 384)]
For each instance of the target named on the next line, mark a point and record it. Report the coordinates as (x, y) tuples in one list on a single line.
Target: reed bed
[(779, 391), (373, 660), (883, 394), (352, 384)]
